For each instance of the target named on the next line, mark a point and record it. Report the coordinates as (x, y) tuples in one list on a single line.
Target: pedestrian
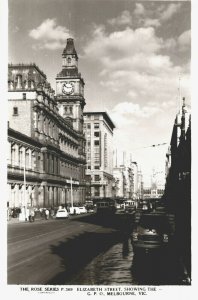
[(8, 214), (52, 212), (47, 214), (32, 215)]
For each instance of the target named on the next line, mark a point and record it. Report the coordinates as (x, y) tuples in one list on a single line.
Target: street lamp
[(71, 192), (25, 204)]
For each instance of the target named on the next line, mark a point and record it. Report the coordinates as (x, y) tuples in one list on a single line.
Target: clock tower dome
[(70, 87)]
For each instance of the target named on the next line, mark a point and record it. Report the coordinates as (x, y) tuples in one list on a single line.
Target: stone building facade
[(98, 129), (46, 148)]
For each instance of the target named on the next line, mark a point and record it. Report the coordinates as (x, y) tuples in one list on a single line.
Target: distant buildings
[(98, 130), (128, 182), (46, 145), (155, 190)]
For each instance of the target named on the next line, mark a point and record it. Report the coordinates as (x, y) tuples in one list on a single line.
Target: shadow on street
[(77, 252), (121, 222)]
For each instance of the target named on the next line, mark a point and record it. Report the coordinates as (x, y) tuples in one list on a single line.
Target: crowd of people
[(31, 213)]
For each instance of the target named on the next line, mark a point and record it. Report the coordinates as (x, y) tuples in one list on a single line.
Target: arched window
[(19, 81)]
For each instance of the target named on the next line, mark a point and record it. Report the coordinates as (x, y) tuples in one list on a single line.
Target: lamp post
[(24, 184), (71, 192)]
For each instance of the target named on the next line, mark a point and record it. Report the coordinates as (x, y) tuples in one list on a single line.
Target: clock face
[(67, 88)]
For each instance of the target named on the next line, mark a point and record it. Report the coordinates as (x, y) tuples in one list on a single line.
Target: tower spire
[(179, 89), (70, 48)]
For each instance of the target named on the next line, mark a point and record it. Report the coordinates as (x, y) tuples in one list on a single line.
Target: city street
[(41, 251), (83, 250)]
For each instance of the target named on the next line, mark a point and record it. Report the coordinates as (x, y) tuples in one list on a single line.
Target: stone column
[(35, 196), (42, 122), (50, 196), (41, 196), (30, 159), (46, 196), (47, 126), (16, 159), (9, 152), (36, 120), (12, 204), (39, 121), (9, 189)]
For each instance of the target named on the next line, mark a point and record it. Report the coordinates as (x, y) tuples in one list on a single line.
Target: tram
[(106, 206), (130, 206)]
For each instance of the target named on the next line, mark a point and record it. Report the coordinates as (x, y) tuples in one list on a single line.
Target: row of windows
[(95, 167), (88, 125), (96, 117), (68, 109)]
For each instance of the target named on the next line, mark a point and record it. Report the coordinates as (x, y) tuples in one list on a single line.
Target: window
[(96, 117), (15, 111), (88, 126), (69, 60), (97, 158), (96, 125), (52, 165), (96, 167), (96, 133), (97, 177), (96, 143), (97, 191), (24, 96)]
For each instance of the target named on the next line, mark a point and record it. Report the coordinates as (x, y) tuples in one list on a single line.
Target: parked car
[(82, 209), (145, 206), (62, 213), (151, 232), (74, 210)]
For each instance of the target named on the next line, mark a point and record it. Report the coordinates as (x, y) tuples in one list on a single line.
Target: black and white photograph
[(98, 101)]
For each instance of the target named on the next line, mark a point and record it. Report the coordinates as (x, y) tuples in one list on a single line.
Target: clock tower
[(70, 87)]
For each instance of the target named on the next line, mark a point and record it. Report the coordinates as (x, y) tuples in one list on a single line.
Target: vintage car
[(151, 232), (74, 210), (82, 209), (62, 213)]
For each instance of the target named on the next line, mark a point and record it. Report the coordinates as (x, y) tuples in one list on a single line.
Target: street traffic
[(67, 251)]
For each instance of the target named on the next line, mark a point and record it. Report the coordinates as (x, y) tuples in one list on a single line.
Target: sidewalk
[(14, 221)]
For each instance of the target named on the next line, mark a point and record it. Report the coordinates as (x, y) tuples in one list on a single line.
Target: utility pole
[(71, 192), (24, 183)]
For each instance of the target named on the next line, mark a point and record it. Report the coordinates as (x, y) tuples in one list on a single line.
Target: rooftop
[(105, 116)]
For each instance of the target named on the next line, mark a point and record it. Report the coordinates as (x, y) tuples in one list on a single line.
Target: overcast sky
[(131, 56)]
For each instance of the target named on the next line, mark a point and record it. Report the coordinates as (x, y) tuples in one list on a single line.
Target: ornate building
[(178, 183), (46, 145)]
